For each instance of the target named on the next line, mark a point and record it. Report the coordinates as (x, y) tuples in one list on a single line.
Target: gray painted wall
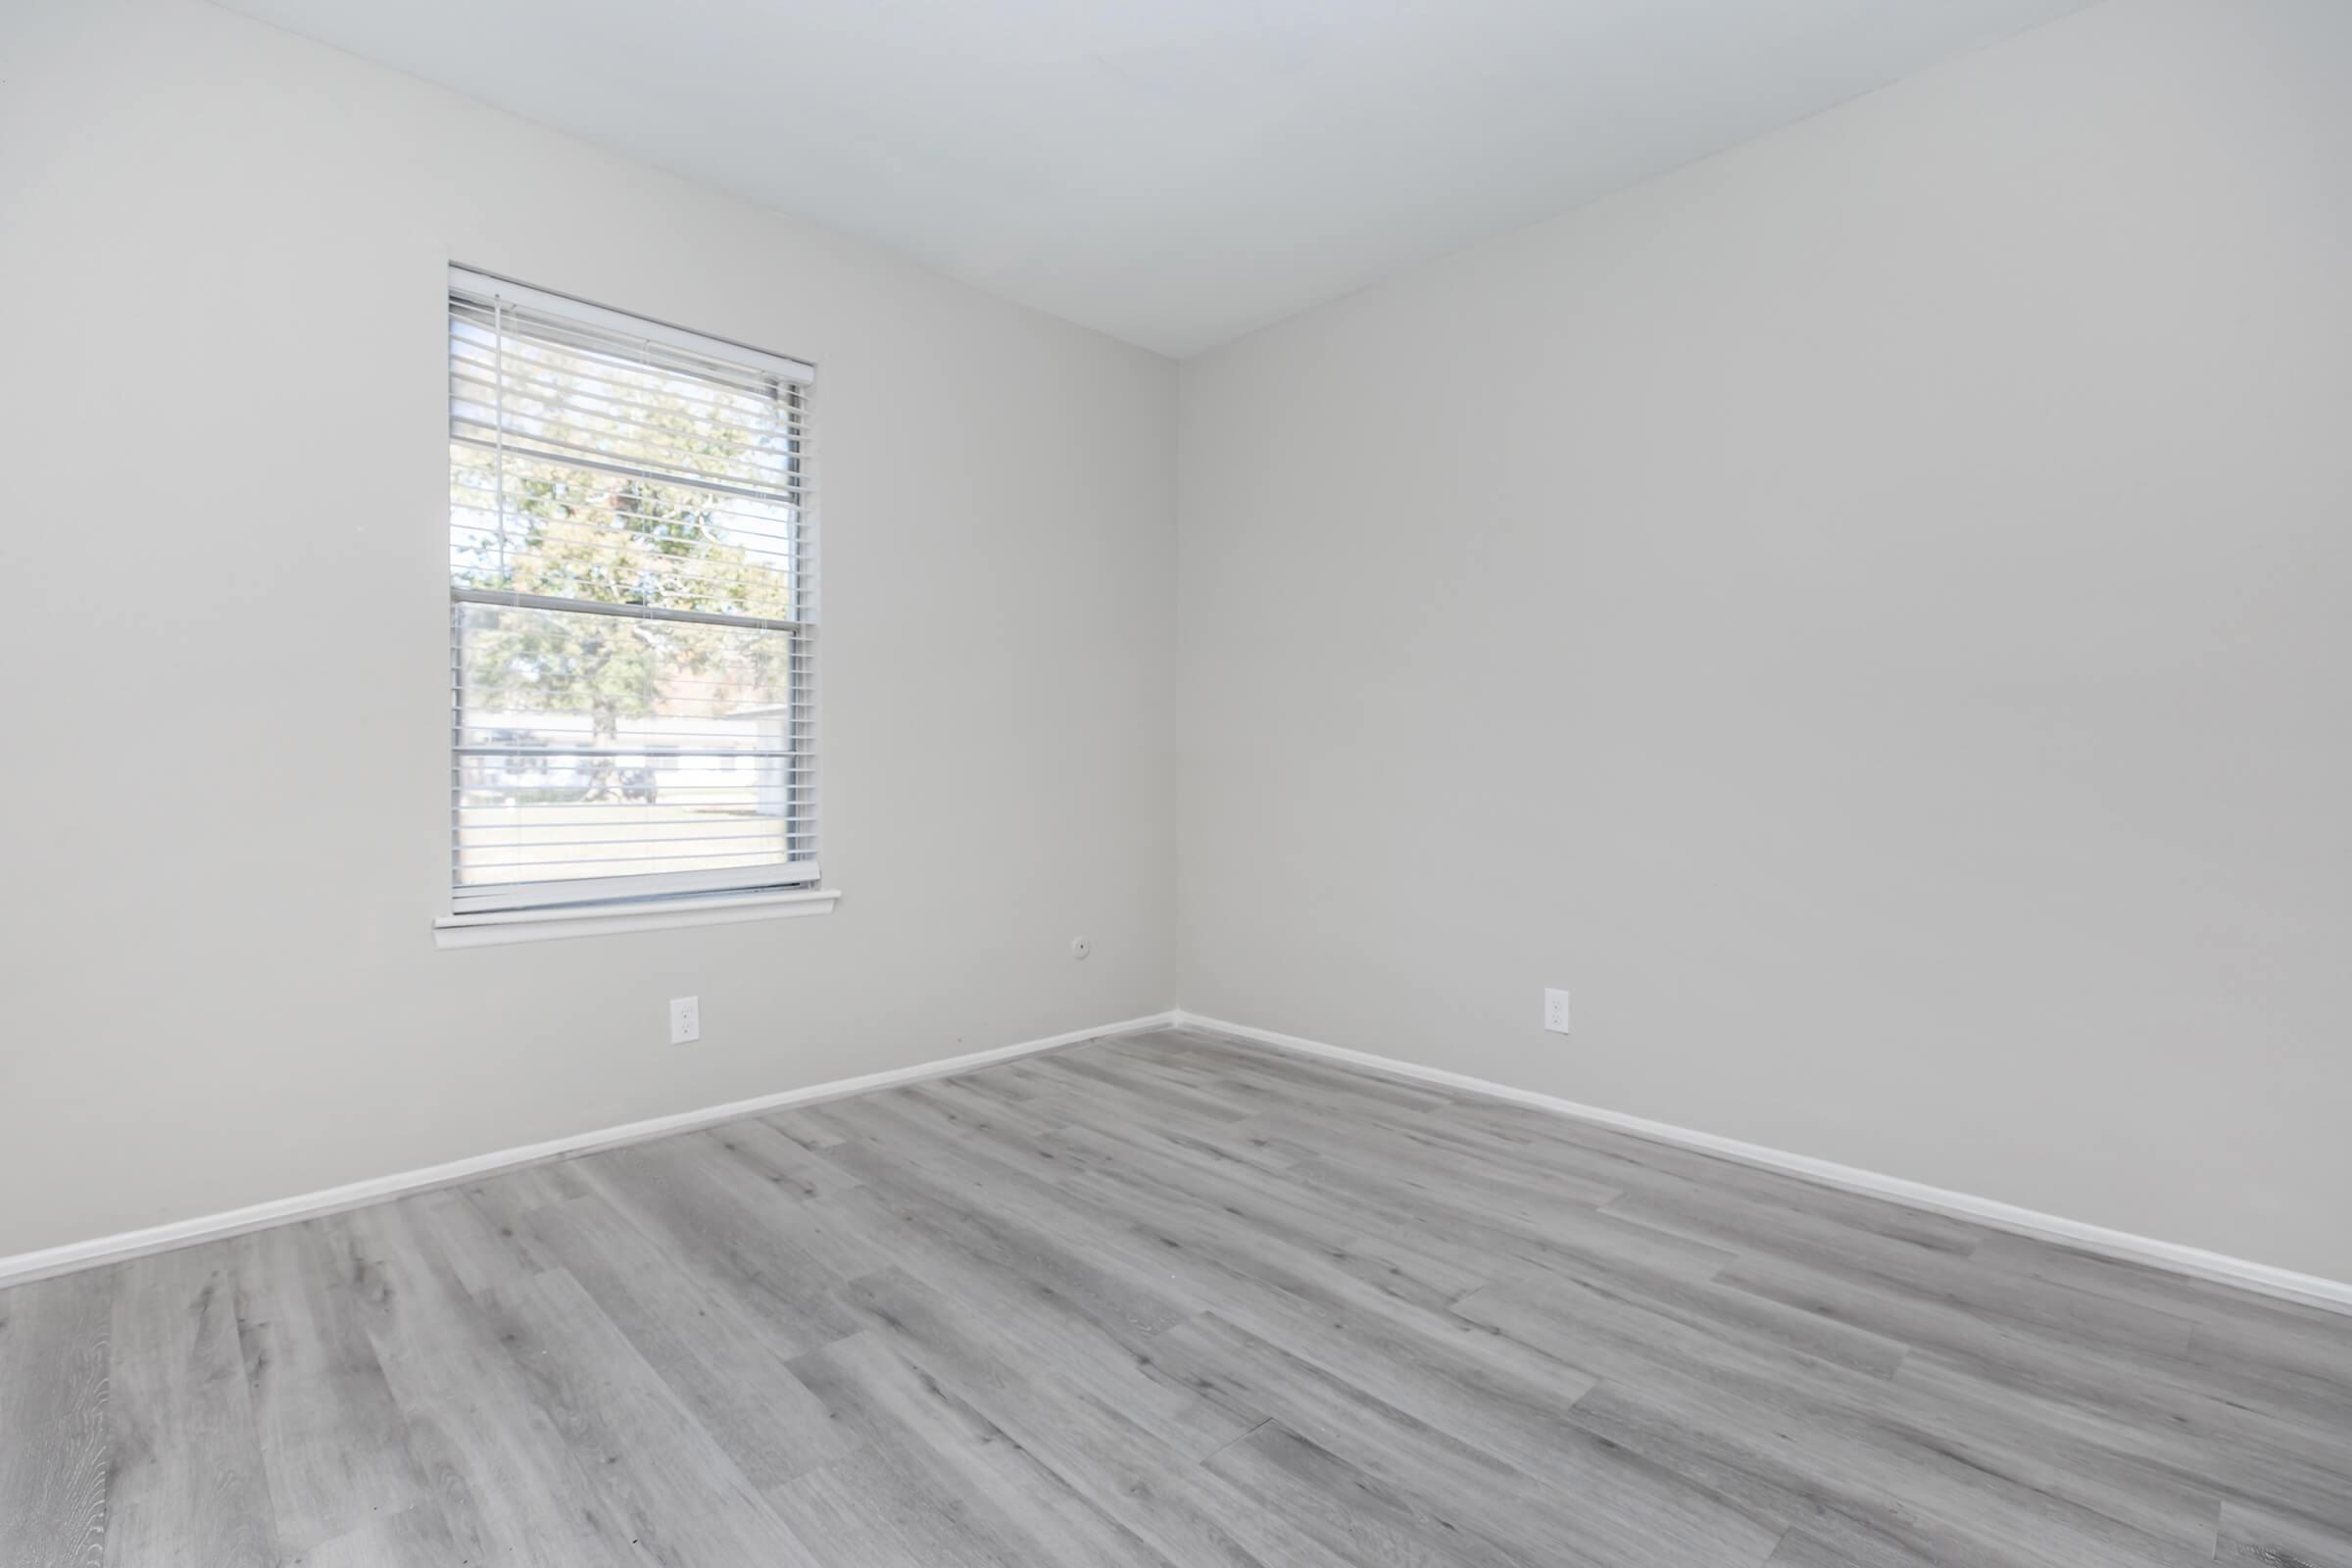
[(223, 393), (1867, 612)]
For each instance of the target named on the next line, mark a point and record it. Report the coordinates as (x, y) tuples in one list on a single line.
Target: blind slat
[(491, 440), (503, 385), (494, 598), (651, 443), (545, 894), (641, 337)]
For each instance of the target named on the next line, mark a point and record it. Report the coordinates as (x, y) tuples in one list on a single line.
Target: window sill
[(600, 920)]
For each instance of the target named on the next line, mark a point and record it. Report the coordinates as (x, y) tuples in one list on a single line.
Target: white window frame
[(594, 905)]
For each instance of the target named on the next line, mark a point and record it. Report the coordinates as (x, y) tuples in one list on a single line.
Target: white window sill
[(600, 920)]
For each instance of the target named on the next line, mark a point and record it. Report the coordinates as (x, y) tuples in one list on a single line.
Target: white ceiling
[(1172, 171)]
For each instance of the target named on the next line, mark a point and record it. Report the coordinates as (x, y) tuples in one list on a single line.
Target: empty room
[(1176, 784)]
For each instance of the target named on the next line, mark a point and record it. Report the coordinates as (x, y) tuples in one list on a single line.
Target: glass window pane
[(599, 745)]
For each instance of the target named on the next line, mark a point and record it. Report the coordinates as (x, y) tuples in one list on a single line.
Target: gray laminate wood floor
[(1160, 1300)]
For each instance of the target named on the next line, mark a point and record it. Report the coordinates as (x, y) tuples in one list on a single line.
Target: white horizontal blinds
[(633, 607)]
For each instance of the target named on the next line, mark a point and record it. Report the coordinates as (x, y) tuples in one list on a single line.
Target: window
[(632, 611)]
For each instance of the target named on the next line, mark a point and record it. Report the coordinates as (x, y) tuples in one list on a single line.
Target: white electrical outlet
[(1555, 1011), (685, 1019)]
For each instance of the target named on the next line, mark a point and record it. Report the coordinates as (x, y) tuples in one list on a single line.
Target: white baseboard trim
[(2310, 1290), (25, 1267), (2197, 1263)]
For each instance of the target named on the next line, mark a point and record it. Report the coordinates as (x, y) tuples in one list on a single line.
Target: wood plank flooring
[(1161, 1301)]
